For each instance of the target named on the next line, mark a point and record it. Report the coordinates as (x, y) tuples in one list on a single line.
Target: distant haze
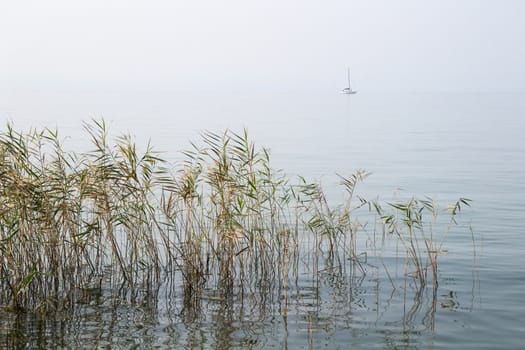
[(450, 45)]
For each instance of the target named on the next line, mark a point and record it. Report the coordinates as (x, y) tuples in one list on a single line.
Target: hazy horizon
[(265, 46)]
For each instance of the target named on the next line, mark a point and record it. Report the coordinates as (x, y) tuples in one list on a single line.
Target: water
[(442, 145)]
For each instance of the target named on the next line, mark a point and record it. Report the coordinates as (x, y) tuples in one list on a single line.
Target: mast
[(348, 71)]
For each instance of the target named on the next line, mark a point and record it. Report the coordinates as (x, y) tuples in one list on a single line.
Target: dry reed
[(115, 218)]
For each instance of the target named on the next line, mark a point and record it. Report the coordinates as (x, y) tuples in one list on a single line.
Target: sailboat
[(348, 90)]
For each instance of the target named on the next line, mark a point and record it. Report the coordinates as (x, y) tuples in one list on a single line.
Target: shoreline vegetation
[(223, 219)]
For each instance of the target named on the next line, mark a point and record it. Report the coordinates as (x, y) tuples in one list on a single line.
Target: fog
[(263, 46)]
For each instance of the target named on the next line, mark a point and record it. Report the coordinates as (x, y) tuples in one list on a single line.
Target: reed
[(421, 238), (114, 218)]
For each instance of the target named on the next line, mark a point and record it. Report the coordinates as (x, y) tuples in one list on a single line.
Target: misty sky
[(450, 45)]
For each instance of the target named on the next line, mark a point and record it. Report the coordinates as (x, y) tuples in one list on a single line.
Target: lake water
[(443, 145)]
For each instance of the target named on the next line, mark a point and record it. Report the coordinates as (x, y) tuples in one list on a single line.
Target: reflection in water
[(329, 306), (447, 143)]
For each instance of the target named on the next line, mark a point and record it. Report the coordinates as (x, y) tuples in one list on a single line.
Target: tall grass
[(119, 219), (415, 224)]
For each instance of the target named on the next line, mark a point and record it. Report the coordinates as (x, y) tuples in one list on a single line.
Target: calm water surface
[(443, 145)]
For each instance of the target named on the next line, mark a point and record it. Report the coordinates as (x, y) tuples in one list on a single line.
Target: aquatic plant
[(113, 218), (418, 236)]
